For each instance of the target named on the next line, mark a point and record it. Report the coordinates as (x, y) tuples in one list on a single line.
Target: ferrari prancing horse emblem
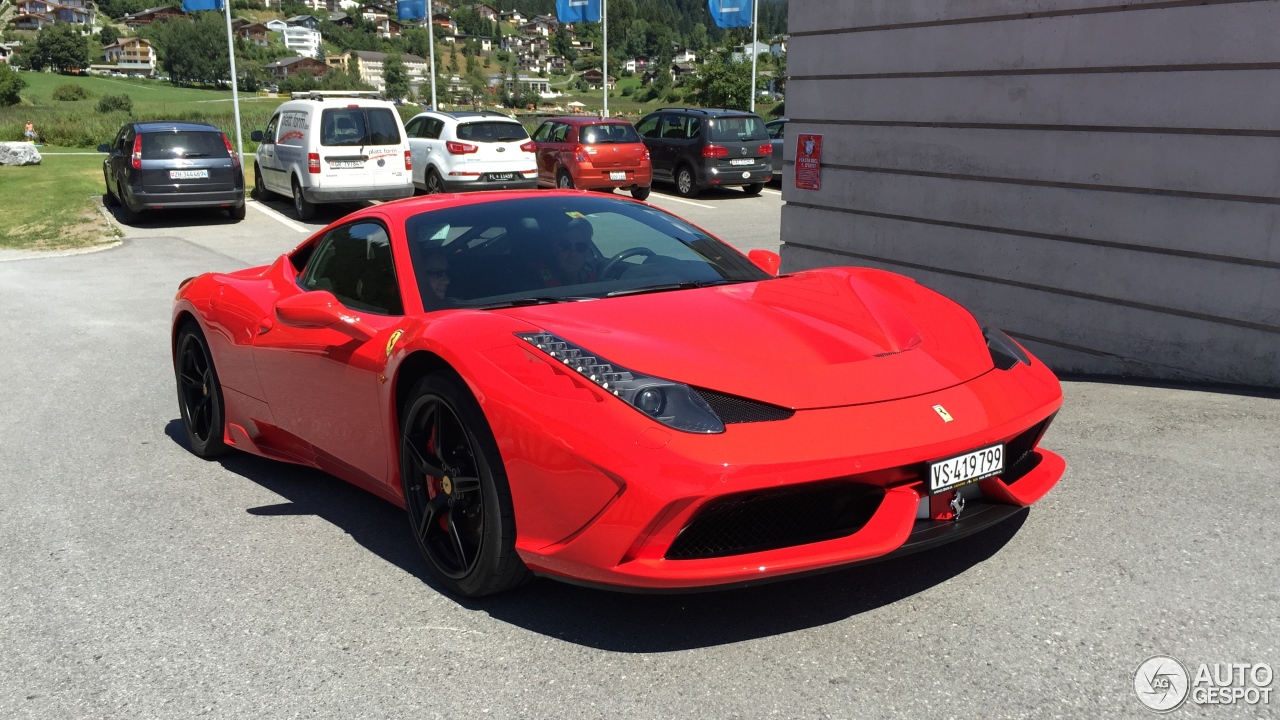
[(391, 342), (942, 413)]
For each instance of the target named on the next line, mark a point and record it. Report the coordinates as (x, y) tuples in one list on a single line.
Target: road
[(138, 581)]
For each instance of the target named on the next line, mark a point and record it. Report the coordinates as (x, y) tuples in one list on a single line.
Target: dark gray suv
[(159, 165), (698, 149)]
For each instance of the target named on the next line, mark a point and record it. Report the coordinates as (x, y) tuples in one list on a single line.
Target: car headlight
[(671, 403), (1005, 353)]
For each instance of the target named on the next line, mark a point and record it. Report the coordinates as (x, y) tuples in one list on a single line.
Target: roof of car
[(468, 115), (161, 126), (587, 120), (712, 112)]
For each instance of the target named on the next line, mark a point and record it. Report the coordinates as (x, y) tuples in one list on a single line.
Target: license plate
[(742, 161), (965, 469), (187, 174), (618, 175), (346, 165), (502, 176)]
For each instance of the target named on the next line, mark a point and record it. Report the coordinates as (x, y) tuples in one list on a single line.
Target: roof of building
[(374, 56)]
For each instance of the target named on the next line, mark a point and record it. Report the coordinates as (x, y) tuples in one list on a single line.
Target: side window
[(544, 131), (126, 142), (673, 127), (269, 135), (561, 133), (414, 126), (119, 141), (354, 263), (648, 127), (433, 128), (694, 127), (775, 130)]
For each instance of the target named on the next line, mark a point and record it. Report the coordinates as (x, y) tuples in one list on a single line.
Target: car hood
[(821, 338)]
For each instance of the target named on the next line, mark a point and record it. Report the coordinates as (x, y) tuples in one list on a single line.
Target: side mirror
[(766, 260), (256, 136), (104, 148), (320, 309)]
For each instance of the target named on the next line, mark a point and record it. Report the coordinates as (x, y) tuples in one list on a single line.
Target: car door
[(112, 163), (417, 148), (321, 385), (676, 140), (650, 129), (267, 156), (432, 148), (546, 154), (777, 131)]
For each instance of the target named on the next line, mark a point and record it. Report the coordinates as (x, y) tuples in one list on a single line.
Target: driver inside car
[(572, 259)]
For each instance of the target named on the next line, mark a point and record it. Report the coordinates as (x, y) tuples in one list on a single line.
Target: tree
[(562, 44), (395, 77), (60, 47), (724, 83), (453, 58), (11, 83), (107, 35), (195, 51)]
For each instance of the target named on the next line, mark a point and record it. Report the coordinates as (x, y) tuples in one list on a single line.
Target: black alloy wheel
[(455, 490), (434, 185), (199, 394)]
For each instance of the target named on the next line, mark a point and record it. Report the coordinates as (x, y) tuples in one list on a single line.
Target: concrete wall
[(1101, 178)]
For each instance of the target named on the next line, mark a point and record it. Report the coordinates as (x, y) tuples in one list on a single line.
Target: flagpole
[(755, 24), (604, 82), (235, 89), (431, 47)]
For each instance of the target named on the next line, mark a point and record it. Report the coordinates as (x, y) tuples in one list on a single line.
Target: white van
[(333, 147)]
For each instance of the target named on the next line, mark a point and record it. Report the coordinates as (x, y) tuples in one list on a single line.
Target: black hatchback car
[(698, 149), (159, 165)]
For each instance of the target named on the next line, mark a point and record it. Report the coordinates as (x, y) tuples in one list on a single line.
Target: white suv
[(460, 151), (332, 147)]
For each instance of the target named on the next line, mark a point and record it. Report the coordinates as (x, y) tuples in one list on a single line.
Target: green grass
[(50, 205)]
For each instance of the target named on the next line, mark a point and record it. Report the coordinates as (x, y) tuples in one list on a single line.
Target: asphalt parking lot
[(138, 581)]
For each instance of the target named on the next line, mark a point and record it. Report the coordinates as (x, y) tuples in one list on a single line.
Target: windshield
[(608, 133), (488, 132), (354, 127), (741, 128), (550, 249), (183, 144)]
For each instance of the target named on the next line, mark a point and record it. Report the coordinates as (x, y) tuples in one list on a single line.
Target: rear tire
[(236, 213), (199, 394), (686, 183), (126, 213), (564, 181), (455, 488), (434, 184), (640, 193), (753, 188), (303, 209)]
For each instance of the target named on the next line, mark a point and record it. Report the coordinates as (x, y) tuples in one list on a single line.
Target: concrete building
[(1097, 178), (369, 64), (302, 40)]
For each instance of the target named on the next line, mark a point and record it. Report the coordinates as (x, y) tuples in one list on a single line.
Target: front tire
[(260, 191), (303, 209), (199, 394), (686, 183), (455, 490), (640, 193)]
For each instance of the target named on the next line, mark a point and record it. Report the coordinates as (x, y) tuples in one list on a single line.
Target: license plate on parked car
[(346, 164), (502, 176), (743, 161), (187, 174), (964, 469), (618, 175)]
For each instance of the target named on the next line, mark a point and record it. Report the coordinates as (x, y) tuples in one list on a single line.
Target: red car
[(588, 388), (588, 153)]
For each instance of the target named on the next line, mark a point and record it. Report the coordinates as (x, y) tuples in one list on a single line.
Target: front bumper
[(351, 195), (662, 489)]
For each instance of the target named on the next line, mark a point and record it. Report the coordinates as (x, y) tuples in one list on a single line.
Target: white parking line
[(273, 214), (687, 202), (773, 192)]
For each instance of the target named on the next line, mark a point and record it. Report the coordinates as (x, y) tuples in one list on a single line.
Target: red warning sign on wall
[(808, 161)]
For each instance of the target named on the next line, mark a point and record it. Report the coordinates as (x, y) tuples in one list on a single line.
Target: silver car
[(775, 129)]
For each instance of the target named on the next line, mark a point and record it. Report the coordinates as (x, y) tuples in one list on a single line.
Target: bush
[(70, 92), (115, 103), (11, 83), (628, 91), (673, 96)]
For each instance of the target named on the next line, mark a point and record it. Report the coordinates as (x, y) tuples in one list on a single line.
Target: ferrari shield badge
[(942, 412), (391, 342)]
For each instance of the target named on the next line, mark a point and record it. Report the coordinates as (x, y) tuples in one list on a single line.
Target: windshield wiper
[(526, 301), (686, 285)]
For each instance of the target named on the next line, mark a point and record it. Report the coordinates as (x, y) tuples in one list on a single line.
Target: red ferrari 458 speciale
[(586, 387)]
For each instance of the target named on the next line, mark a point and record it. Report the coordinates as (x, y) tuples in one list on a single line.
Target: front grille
[(1020, 455), (770, 519), (733, 409)]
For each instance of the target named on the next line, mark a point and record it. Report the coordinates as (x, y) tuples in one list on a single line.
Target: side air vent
[(733, 409), (1020, 455)]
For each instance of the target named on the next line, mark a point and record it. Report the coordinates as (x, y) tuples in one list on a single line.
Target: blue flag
[(193, 5), (411, 9), (575, 11), (730, 13)]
